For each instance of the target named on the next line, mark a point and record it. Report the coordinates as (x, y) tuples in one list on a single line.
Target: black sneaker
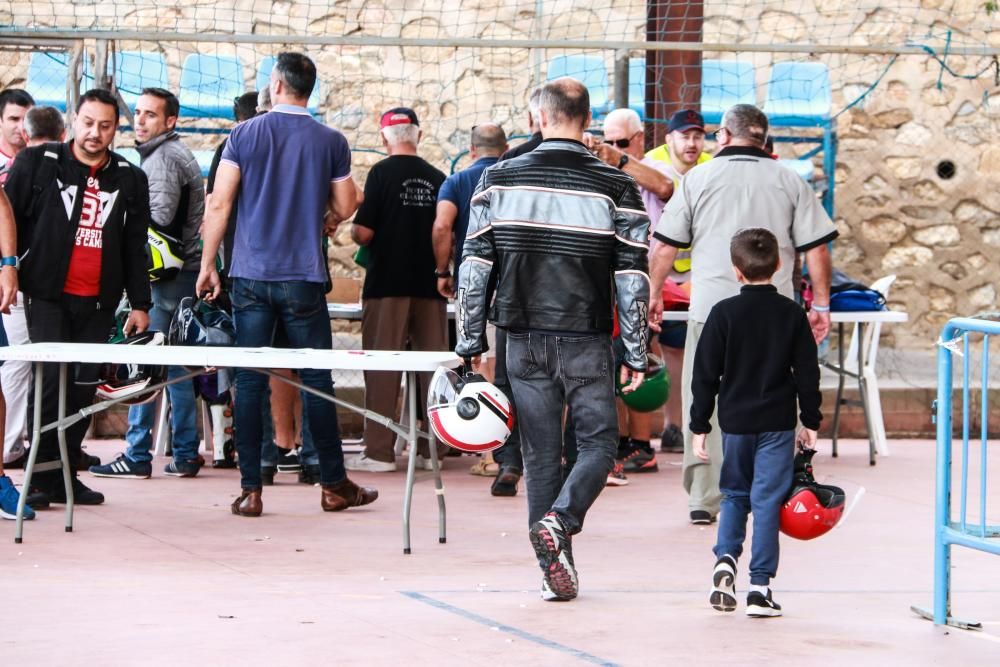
[(505, 483), (87, 461), (267, 475), (723, 595), (183, 468), (641, 460), (288, 461), (672, 440), (309, 474), (124, 468), (554, 550), (762, 606), (702, 518), (37, 500), (82, 494)]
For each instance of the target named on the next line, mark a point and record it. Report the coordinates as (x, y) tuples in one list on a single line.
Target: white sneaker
[(425, 463), (361, 463)]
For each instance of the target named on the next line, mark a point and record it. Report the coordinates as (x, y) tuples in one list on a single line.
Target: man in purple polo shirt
[(288, 171)]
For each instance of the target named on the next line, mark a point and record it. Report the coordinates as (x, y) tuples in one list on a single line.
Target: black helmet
[(198, 322), (129, 381)]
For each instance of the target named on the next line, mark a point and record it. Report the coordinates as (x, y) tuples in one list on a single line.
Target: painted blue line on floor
[(517, 632)]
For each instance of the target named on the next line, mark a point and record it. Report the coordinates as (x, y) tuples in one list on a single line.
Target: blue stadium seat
[(47, 74), (798, 95), (264, 79), (135, 70), (723, 84), (589, 70), (210, 85), (637, 86)]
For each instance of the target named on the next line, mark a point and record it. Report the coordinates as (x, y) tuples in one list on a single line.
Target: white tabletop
[(352, 311), (231, 357)]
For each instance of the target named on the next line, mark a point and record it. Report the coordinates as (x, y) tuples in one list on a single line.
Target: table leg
[(29, 467), (863, 392), (840, 385), (411, 464), (63, 450), (438, 488)]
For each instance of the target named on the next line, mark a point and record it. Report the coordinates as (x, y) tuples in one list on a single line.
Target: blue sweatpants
[(756, 476)]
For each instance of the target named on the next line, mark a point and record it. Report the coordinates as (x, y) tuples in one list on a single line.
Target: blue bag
[(857, 299)]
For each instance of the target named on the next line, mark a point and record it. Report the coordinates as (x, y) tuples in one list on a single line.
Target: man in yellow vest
[(684, 148)]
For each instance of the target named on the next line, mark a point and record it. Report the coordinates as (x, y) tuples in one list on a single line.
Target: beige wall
[(895, 214)]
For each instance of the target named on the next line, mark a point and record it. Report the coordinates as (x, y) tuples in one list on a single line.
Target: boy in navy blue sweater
[(757, 353)]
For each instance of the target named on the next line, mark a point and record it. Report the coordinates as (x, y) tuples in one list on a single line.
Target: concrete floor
[(163, 574)]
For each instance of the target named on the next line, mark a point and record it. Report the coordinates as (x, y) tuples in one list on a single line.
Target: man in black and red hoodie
[(82, 212)]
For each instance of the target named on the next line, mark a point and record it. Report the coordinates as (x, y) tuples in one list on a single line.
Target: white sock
[(754, 588)]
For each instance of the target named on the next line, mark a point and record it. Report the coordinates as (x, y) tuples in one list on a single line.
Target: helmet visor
[(444, 388)]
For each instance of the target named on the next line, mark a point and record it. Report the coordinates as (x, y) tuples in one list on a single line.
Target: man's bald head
[(566, 102), (488, 140)]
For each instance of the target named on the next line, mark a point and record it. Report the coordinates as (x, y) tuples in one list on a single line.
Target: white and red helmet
[(468, 413)]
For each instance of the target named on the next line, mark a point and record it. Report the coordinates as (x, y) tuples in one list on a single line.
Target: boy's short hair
[(754, 252)]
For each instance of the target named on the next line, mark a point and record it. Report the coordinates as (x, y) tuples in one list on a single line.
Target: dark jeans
[(301, 308), (508, 455), (756, 476), (547, 374), (71, 319)]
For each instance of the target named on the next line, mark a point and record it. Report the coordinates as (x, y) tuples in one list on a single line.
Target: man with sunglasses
[(623, 148)]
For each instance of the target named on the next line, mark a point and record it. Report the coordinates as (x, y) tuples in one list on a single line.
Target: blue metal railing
[(948, 532)]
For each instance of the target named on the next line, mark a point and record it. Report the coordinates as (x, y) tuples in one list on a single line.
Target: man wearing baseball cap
[(684, 148), (400, 300)]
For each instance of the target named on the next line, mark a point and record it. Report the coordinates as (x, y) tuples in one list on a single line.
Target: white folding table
[(199, 360)]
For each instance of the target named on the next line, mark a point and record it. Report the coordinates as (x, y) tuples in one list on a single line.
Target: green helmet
[(653, 392)]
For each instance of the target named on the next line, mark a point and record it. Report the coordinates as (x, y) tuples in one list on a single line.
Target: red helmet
[(811, 509), (468, 413)]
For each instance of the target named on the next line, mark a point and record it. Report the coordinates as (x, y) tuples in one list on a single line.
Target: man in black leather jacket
[(564, 236)]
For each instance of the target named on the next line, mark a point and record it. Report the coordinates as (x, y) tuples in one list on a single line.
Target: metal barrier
[(955, 339)]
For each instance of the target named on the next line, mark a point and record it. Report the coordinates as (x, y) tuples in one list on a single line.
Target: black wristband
[(622, 162), (442, 274)]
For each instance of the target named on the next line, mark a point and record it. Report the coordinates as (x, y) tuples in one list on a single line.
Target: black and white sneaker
[(762, 606), (288, 461), (723, 595), (555, 556)]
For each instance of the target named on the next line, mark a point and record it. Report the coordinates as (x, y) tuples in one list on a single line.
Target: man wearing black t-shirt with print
[(401, 303)]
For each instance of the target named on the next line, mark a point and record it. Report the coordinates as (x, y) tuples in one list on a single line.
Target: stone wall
[(895, 212)]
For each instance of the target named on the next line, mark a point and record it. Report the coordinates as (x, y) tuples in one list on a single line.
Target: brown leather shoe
[(249, 503), (340, 496)]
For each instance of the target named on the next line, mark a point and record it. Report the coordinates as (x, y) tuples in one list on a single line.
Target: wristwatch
[(623, 162), (10, 261), (442, 274)]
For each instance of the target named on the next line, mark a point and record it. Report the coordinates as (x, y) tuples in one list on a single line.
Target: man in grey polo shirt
[(742, 187)]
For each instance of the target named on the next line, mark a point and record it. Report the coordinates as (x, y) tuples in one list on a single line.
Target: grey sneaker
[(554, 550)]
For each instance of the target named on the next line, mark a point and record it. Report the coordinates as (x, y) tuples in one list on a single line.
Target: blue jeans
[(547, 374), (184, 426), (301, 307), (756, 476)]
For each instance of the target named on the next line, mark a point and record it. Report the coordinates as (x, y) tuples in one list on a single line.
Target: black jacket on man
[(45, 188), (565, 237)]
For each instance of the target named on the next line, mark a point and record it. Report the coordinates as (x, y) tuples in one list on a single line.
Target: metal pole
[(63, 450), (621, 79), (942, 505), (411, 464), (476, 43), (36, 438)]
